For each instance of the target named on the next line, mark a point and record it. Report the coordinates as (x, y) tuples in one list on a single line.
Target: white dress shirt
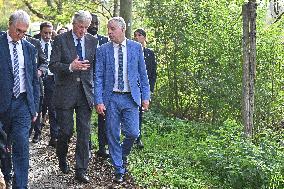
[(125, 69), (21, 60)]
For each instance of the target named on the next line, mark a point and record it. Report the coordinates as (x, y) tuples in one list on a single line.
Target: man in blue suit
[(102, 138), (120, 83), (19, 89)]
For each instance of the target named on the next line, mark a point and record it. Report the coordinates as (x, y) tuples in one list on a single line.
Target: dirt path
[(45, 174)]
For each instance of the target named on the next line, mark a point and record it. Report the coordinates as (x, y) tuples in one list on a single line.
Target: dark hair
[(141, 31), (45, 24)]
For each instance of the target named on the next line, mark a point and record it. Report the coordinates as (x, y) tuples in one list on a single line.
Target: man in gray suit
[(120, 83), (71, 62)]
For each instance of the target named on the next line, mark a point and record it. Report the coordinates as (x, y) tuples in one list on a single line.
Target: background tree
[(126, 13)]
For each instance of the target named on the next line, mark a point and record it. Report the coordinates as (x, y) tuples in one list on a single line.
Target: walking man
[(71, 62), (19, 89), (120, 83)]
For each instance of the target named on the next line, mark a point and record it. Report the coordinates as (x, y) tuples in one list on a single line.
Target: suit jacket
[(102, 40), (105, 70), (62, 55), (151, 66), (42, 63), (7, 80)]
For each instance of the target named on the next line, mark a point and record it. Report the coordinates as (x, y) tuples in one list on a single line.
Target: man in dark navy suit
[(102, 138), (19, 89), (151, 66), (46, 42)]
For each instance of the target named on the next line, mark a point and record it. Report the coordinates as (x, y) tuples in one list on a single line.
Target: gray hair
[(19, 16), (119, 20), (82, 17)]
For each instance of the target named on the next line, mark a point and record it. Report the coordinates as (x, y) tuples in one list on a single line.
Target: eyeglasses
[(19, 31)]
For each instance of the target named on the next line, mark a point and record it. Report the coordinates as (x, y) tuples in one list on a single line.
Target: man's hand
[(145, 105), (80, 64), (34, 118), (100, 108)]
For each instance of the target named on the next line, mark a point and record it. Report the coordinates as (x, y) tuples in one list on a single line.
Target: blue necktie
[(120, 69), (46, 50), (79, 49), (16, 87)]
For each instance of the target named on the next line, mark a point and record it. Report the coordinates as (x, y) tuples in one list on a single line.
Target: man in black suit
[(102, 138), (46, 29), (151, 66), (19, 89), (42, 71), (71, 62)]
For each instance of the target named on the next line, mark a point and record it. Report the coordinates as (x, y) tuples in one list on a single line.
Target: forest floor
[(45, 174)]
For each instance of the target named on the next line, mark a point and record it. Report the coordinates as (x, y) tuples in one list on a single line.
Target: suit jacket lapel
[(89, 48), (129, 56), (70, 44), (26, 56), (111, 57), (7, 52)]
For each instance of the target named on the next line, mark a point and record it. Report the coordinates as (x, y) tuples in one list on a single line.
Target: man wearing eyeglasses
[(19, 89)]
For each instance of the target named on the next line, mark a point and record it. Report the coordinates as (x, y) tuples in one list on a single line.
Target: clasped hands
[(80, 64)]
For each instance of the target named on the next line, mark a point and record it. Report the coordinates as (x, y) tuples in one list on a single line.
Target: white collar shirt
[(21, 60), (125, 67)]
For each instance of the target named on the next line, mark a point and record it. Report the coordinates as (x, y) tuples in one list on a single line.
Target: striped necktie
[(120, 69), (16, 87)]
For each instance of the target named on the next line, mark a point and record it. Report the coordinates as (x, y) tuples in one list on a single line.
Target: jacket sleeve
[(99, 76), (144, 82)]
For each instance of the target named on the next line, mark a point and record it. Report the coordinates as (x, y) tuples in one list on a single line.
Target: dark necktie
[(16, 87), (120, 69), (79, 49), (46, 50)]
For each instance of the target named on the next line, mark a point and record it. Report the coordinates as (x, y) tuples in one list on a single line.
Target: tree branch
[(37, 13)]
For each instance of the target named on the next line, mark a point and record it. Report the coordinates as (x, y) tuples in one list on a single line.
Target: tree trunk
[(126, 13), (115, 8), (249, 65)]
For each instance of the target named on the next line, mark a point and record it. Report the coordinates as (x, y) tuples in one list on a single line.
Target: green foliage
[(182, 154), (199, 50)]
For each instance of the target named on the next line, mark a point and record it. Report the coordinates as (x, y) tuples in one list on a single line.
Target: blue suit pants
[(17, 123), (122, 116)]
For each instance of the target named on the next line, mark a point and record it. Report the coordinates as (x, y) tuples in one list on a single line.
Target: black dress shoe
[(139, 144), (52, 142), (36, 139), (64, 167), (102, 154), (118, 178), (82, 178)]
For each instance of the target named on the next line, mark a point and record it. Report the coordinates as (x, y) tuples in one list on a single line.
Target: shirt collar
[(123, 43), (75, 36), (10, 40), (43, 42)]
